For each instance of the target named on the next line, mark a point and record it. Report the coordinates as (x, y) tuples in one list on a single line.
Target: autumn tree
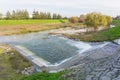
[(82, 18), (73, 19), (96, 19), (109, 19)]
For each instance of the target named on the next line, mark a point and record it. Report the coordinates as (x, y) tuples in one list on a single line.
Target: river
[(53, 49)]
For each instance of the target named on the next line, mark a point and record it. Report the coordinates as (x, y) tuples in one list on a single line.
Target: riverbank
[(105, 68), (89, 35), (78, 66), (12, 64), (94, 51), (101, 63), (109, 34), (104, 35)]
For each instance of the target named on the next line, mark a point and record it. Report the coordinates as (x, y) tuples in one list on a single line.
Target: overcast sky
[(64, 7)]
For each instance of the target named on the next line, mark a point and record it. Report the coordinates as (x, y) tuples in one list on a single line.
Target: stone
[(110, 74), (116, 66), (89, 77), (116, 71), (28, 70), (105, 78), (117, 41), (118, 78)]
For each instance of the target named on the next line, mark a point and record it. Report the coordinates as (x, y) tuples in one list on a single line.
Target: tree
[(117, 17), (23, 14), (13, 15), (73, 19), (0, 16), (54, 16), (82, 16), (8, 15), (109, 19), (59, 16), (48, 15), (104, 21), (35, 15), (65, 17), (96, 19), (26, 14), (17, 15), (41, 15)]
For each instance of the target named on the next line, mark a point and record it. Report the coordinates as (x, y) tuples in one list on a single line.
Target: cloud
[(65, 7)]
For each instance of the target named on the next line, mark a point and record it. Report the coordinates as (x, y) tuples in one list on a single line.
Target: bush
[(73, 19)]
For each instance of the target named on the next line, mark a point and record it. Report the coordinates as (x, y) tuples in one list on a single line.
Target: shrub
[(73, 19)]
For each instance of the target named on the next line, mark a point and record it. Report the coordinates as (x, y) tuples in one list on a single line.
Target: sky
[(63, 7)]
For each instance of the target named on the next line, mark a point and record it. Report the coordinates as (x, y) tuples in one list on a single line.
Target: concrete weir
[(45, 65), (31, 56), (41, 63)]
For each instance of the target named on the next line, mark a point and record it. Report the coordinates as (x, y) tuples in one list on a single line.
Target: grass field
[(105, 35), (29, 22), (10, 27)]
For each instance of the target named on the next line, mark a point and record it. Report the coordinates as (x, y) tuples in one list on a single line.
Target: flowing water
[(53, 49)]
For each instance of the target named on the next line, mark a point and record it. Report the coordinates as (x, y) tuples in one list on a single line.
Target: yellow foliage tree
[(96, 19), (73, 19)]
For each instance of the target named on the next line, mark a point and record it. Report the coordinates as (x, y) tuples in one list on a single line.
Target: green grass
[(43, 76), (27, 22), (10, 27), (116, 22), (10, 62), (105, 35)]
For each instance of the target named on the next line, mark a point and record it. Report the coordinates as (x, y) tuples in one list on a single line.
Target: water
[(53, 49)]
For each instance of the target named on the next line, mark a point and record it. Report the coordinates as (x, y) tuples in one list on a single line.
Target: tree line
[(45, 15), (23, 14), (117, 17), (93, 19)]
